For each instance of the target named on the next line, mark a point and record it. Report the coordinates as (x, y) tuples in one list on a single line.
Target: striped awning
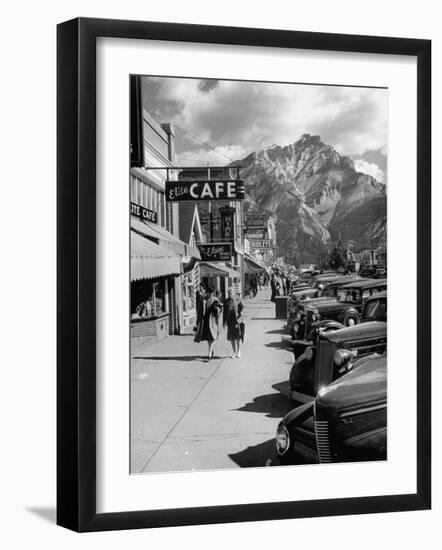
[(149, 260), (213, 269), (164, 238), (253, 266)]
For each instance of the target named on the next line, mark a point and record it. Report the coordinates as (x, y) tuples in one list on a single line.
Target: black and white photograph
[(258, 274)]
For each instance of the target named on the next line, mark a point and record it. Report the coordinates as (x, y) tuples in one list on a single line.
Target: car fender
[(330, 324), (327, 325), (370, 445), (299, 373), (299, 415)]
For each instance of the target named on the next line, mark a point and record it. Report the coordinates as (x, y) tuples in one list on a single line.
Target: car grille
[(308, 323), (322, 441), (324, 364)]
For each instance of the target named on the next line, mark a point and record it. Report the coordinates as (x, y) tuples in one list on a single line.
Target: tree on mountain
[(338, 256)]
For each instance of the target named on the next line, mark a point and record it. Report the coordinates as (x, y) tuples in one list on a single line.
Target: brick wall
[(153, 329)]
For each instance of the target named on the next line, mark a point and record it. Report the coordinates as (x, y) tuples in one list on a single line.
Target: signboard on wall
[(254, 234), (255, 223), (136, 123), (263, 244), (211, 190), (227, 223), (215, 252), (143, 213)]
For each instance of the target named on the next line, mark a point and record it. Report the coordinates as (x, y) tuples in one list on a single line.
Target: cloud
[(220, 156), (373, 162), (370, 168), (242, 117)]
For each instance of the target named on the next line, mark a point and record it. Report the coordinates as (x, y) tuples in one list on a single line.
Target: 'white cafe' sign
[(212, 190), (143, 213)]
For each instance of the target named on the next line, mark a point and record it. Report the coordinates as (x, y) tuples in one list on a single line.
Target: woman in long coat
[(209, 316), (232, 318)]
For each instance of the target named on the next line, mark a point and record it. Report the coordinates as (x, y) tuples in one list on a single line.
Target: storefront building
[(190, 233), (214, 190), (158, 256)]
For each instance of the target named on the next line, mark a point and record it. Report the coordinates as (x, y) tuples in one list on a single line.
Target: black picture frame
[(76, 273)]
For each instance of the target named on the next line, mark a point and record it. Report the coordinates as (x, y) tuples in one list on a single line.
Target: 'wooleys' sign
[(143, 213), (212, 190), (215, 252), (262, 244)]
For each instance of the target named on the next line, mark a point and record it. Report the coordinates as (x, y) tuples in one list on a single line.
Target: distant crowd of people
[(257, 282)]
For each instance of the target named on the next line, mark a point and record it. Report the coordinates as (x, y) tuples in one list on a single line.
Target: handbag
[(242, 331)]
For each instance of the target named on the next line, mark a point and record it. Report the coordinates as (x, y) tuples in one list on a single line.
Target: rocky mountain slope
[(316, 196)]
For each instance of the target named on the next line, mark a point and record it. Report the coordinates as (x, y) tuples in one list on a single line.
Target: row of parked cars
[(338, 382)]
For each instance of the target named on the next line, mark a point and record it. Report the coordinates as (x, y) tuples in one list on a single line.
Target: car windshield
[(376, 309), (349, 295), (330, 291)]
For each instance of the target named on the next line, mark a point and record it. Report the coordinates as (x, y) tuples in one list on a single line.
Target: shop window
[(147, 299)]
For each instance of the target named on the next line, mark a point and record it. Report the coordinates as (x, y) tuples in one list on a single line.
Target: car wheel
[(351, 319)]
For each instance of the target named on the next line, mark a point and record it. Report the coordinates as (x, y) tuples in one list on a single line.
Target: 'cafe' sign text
[(213, 190), (143, 213)]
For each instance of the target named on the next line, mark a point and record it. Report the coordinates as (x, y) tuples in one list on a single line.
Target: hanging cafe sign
[(209, 190), (143, 213), (215, 252)]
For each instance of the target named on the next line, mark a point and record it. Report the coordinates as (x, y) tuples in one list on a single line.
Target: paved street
[(190, 414)]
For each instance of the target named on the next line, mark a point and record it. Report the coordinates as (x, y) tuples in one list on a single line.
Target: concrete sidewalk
[(190, 414)]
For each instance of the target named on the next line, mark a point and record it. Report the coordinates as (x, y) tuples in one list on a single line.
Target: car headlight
[(342, 356), (320, 286), (282, 439), (308, 353)]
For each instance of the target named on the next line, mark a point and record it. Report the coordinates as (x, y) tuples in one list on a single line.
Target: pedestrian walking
[(286, 284), (209, 322), (199, 299), (233, 319), (254, 286), (276, 285), (272, 287)]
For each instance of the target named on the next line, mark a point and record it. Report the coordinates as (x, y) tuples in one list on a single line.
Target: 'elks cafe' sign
[(143, 213), (211, 190)]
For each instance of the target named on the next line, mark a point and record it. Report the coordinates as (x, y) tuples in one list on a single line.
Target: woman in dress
[(209, 316), (232, 318)]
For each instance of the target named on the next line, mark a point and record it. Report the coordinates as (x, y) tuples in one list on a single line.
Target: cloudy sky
[(237, 118)]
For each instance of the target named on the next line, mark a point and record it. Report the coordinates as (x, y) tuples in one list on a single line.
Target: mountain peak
[(314, 192), (308, 139)]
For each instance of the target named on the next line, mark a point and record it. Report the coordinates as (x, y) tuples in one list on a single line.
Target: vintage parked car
[(332, 353), (375, 308), (346, 309), (347, 422), (299, 300), (368, 271)]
